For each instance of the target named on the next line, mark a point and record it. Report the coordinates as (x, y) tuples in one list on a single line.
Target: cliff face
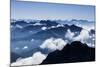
[(74, 52)]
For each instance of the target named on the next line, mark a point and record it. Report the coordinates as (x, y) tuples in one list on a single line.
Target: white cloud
[(87, 27), (19, 26), (83, 36), (53, 27), (93, 39), (60, 25), (69, 35), (36, 59), (25, 47), (11, 26), (37, 23), (53, 44), (17, 48), (91, 45), (32, 40), (44, 28)]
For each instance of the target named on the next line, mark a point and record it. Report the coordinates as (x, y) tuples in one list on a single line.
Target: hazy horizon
[(51, 11)]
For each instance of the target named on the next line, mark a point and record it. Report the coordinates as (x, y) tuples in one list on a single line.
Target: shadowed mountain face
[(74, 52), (49, 23)]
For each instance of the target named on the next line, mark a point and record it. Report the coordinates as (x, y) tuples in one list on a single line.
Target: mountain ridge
[(74, 52)]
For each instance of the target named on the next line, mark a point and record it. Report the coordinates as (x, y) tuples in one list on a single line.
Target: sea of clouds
[(37, 58), (53, 44)]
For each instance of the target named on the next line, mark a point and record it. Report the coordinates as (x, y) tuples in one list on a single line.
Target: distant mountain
[(80, 21), (22, 22), (49, 23), (74, 28), (74, 52), (34, 33), (92, 31), (32, 28), (57, 32), (53, 32), (38, 33)]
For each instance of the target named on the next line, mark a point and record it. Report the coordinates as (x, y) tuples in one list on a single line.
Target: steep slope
[(74, 52)]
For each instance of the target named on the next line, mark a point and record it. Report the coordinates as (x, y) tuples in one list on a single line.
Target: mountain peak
[(74, 52)]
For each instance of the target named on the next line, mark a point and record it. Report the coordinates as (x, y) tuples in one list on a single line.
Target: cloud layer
[(37, 58), (83, 37), (69, 35), (53, 44)]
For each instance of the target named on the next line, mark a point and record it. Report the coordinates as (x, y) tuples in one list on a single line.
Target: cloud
[(60, 25), (25, 47), (53, 26), (88, 26), (53, 44), (37, 23), (32, 40), (19, 26), (17, 48), (91, 45), (36, 59), (69, 35), (44, 28), (85, 37), (11, 26)]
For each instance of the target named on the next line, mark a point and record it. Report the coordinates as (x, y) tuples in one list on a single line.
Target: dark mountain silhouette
[(74, 52), (92, 31), (66, 25), (74, 28)]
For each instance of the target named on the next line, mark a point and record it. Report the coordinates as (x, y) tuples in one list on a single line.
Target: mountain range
[(33, 34)]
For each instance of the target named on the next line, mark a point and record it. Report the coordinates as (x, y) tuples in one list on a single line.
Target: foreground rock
[(74, 52)]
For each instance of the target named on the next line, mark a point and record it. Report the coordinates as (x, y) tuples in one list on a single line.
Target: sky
[(51, 11)]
